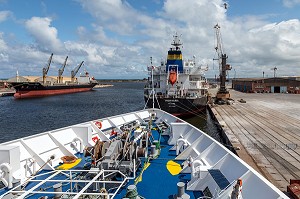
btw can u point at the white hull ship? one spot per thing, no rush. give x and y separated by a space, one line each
142 154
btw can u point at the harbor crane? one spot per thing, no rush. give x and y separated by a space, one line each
75 71
223 93
46 69
61 71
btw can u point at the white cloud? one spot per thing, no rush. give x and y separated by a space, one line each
120 39
117 15
44 34
195 12
3 45
96 35
248 44
261 48
290 3
4 15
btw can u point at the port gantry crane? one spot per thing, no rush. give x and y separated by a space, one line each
61 71
223 93
46 69
75 71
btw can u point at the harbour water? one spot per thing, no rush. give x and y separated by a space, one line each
20 118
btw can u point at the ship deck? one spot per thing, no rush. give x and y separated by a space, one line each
157 181
175 155
152 181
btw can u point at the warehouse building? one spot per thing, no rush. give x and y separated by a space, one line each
267 85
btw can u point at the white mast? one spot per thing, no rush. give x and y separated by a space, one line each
17 76
152 83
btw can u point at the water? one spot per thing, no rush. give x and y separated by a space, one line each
206 124
20 118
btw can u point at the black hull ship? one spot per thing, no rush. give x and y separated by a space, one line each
46 87
36 89
181 107
176 86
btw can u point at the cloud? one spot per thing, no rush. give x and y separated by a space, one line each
3 45
4 15
193 12
290 3
44 34
96 35
117 15
263 47
119 39
251 42
282 39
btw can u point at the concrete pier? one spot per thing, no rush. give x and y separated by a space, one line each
265 131
6 92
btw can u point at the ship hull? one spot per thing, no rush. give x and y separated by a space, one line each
34 90
181 107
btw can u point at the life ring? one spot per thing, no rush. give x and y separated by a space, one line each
113 133
98 124
68 159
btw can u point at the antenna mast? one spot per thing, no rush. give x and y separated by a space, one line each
152 82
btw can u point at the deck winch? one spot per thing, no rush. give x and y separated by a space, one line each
122 152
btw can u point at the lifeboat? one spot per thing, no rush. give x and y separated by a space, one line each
172 77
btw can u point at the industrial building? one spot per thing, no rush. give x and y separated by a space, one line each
267 85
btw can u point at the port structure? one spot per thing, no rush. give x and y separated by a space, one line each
222 94
61 71
46 68
75 71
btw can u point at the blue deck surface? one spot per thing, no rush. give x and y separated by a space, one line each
157 181
49 185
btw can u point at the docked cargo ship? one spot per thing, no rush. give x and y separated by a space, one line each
177 86
44 88
37 89
143 154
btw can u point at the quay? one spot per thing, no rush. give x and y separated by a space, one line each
103 85
264 131
6 92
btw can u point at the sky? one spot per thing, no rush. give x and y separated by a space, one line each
116 38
